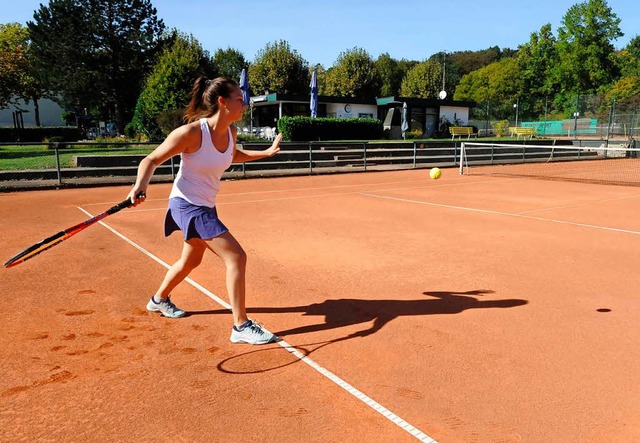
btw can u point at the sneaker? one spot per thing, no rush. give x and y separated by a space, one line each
251 333
166 308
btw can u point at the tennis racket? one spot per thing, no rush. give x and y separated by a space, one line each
61 236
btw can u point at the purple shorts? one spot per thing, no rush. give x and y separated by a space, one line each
194 221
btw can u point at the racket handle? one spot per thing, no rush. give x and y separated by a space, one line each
124 204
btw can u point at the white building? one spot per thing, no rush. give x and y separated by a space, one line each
50 114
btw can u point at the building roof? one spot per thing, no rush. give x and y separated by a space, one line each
423 102
275 97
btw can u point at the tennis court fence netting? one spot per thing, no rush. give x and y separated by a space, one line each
605 164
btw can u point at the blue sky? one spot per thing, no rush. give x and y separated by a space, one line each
320 30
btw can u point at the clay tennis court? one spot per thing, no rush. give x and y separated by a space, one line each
459 310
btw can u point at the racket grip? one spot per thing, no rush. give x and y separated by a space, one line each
124 204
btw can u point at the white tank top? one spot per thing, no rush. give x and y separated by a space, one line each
198 179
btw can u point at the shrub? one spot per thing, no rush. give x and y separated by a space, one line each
246 138
68 133
56 141
311 129
414 134
501 127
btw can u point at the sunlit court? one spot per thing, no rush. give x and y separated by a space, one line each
469 308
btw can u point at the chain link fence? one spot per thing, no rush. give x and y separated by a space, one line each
574 115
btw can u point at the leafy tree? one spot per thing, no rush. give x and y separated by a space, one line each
168 87
629 58
96 53
459 63
354 74
19 76
499 83
423 81
634 47
625 90
585 48
229 63
391 75
278 68
536 60
321 77
406 65
12 61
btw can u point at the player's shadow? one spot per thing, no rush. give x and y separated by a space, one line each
342 312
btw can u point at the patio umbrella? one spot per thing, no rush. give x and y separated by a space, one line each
405 121
244 86
314 94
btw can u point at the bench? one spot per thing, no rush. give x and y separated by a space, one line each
521 131
459 131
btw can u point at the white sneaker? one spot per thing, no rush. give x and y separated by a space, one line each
252 333
166 308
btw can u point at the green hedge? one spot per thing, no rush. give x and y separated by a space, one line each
63 133
313 129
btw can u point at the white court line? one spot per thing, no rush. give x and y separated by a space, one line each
509 214
426 183
298 197
417 433
574 205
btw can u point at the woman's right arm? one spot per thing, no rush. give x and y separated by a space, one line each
183 139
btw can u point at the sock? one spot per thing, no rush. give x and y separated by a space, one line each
242 326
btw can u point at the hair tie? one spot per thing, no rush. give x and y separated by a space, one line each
207 81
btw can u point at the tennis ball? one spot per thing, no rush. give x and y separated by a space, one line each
435 173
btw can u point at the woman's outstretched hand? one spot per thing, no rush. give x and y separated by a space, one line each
275 146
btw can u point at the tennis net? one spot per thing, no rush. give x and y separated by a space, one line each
611 165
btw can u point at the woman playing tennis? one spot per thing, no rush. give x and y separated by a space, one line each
207 144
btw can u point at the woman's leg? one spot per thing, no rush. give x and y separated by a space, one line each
235 259
192 252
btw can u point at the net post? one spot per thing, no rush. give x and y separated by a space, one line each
462 157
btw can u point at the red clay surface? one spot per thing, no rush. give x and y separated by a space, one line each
472 308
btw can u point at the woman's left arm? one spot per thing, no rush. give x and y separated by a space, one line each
241 156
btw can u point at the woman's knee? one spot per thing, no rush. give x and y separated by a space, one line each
236 258
239 258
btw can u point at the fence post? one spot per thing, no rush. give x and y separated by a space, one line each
173 176
310 158
415 154
364 147
55 146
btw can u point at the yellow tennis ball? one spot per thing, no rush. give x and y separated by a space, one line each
435 173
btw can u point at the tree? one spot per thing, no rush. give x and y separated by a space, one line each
278 68
628 59
499 84
460 63
12 62
229 63
354 74
166 91
423 81
96 53
536 60
19 75
391 75
585 49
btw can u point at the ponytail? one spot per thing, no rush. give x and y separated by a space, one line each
204 97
